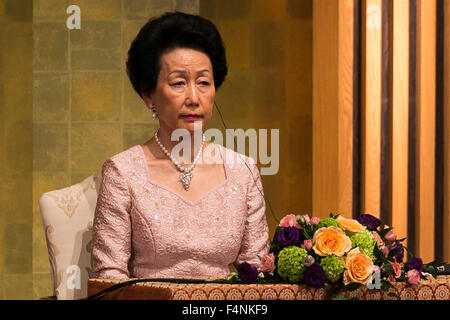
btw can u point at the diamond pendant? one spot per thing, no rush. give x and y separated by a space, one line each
185 178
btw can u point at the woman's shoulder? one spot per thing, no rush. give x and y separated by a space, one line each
241 165
124 159
232 157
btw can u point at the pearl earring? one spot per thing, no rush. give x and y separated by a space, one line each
154 114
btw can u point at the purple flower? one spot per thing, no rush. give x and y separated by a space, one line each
399 256
247 273
369 221
315 276
288 236
414 264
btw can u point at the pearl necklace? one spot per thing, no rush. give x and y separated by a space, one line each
185 172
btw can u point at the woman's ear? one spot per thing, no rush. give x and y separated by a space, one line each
148 100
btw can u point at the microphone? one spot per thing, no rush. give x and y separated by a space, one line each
101 294
104 292
443 270
254 180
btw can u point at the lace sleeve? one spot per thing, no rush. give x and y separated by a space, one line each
256 235
111 238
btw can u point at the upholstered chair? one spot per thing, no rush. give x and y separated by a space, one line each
67 216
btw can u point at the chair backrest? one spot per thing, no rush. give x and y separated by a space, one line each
67 216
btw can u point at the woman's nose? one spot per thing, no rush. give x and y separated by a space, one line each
192 95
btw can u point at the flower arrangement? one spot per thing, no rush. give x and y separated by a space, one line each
336 253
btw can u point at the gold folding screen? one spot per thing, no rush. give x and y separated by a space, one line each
381 140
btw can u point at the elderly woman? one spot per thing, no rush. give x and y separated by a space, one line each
162 216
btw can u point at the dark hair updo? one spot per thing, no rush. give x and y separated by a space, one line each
170 31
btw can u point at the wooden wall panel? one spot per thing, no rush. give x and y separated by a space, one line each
325 107
400 104
446 213
401 139
333 44
345 108
372 107
426 98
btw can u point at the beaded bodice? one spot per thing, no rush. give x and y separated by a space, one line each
144 229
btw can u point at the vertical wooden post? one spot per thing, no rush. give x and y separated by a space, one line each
446 214
332 107
325 106
345 107
426 108
400 104
372 107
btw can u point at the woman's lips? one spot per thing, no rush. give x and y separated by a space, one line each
191 117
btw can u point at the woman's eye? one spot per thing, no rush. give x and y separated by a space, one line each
177 84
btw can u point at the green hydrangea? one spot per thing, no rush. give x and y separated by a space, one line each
328 222
333 267
365 241
290 266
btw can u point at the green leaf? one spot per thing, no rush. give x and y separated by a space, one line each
409 252
310 230
385 285
388 267
436 263
383 232
233 278
430 269
402 278
305 234
394 252
378 254
335 290
275 248
353 286
269 279
277 231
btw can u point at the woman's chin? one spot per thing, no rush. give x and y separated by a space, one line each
191 126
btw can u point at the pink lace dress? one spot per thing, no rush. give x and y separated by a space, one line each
143 229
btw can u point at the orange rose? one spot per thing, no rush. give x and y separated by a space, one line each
359 267
350 224
331 240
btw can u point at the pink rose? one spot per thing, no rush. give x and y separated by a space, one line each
315 220
307 244
413 276
268 263
384 250
307 219
378 238
391 236
289 221
397 271
381 244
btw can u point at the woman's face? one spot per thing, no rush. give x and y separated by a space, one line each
184 91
